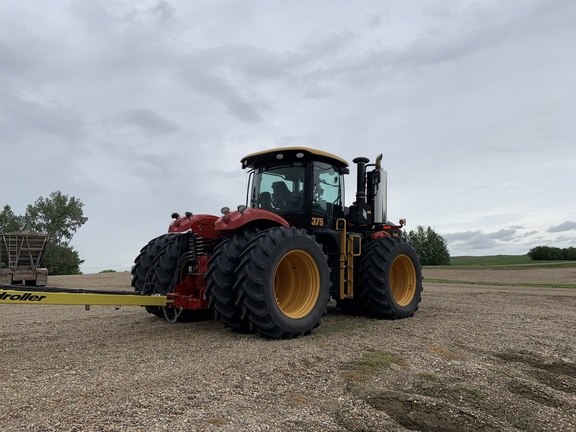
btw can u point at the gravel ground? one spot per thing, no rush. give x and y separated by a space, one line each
473 358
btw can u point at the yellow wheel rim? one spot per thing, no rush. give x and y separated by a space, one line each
296 284
403 280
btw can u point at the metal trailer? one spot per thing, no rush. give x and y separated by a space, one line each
23 281
20 258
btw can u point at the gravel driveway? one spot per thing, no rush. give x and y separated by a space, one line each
473 358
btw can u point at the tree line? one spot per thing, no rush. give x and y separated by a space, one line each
59 217
544 253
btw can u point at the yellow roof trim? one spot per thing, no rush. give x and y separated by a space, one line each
312 151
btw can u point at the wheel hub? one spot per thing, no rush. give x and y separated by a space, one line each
403 280
296 284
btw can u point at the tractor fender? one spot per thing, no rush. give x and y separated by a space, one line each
387 231
255 217
201 224
379 234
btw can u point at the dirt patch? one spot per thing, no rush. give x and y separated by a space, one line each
416 412
472 358
504 275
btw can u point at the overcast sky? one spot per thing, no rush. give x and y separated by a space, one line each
143 108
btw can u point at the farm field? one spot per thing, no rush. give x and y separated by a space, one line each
491 349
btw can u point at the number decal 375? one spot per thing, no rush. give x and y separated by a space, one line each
317 221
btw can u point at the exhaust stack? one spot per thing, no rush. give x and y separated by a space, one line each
380 184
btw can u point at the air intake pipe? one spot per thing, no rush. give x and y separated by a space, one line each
360 212
361 179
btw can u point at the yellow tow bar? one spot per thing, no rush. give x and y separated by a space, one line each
10 294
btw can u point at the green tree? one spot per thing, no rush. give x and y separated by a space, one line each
570 253
61 260
59 217
545 253
9 222
429 245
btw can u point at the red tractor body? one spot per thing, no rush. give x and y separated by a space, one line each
273 264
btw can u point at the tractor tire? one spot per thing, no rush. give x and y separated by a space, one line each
144 261
167 271
142 265
283 281
390 279
222 298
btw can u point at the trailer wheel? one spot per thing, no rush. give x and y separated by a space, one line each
143 264
390 279
284 280
222 298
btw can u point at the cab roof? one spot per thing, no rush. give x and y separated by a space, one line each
290 154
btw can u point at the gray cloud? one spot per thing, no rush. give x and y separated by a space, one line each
471 240
15 61
564 226
20 117
567 240
147 120
480 240
484 31
164 10
235 100
503 235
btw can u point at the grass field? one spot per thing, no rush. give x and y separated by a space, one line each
504 271
505 260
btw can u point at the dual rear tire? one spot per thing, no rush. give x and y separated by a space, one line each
144 263
220 280
279 287
161 265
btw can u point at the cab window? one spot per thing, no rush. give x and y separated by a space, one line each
327 193
279 188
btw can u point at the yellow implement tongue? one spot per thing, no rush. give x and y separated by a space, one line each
10 294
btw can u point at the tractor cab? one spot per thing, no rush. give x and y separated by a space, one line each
304 186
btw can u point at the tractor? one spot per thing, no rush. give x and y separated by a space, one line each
274 263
